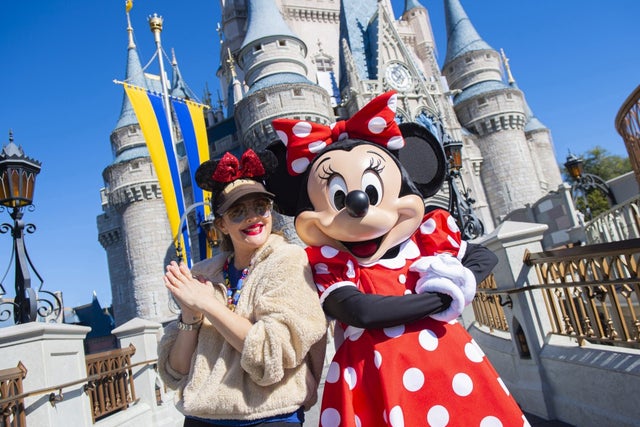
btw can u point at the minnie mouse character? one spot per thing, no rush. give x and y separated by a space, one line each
393 277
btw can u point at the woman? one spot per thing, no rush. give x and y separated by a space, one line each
248 347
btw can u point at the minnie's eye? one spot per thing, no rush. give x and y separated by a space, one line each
372 185
337 192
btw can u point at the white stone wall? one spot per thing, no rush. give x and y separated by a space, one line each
134 230
507 175
255 112
541 146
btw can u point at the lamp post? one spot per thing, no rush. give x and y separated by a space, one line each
206 225
585 182
460 203
17 182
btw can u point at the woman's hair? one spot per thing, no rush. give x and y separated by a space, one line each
226 244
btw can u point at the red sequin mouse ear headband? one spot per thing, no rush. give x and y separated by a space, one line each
375 122
213 175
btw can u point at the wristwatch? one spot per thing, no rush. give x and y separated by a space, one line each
182 326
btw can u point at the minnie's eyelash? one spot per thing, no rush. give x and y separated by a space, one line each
327 172
375 165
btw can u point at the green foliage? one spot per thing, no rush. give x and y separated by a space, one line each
598 161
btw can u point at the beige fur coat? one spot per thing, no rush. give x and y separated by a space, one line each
281 363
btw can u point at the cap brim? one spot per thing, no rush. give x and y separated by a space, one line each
240 192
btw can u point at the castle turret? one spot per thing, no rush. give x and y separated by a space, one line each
417 17
273 60
492 111
540 141
133 228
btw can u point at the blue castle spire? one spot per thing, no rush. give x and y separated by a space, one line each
462 36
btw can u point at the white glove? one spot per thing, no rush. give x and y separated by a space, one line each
445 274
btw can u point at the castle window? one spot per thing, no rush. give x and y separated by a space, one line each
468 60
324 63
482 101
297 91
262 99
521 341
282 43
509 96
257 48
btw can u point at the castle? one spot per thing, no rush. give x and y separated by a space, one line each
322 60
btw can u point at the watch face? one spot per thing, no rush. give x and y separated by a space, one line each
398 77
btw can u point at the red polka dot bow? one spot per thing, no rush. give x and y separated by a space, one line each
229 168
375 122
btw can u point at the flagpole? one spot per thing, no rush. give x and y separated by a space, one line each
155 22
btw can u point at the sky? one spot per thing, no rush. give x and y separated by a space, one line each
576 61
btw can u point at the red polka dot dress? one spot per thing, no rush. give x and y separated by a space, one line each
425 373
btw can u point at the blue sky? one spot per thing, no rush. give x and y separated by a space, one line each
575 60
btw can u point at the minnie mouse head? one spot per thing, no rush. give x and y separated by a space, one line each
362 181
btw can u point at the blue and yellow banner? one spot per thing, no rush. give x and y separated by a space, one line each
194 134
152 118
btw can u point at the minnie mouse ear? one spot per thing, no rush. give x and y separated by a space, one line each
287 188
204 175
423 158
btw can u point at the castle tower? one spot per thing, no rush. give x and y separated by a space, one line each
540 141
275 73
493 112
133 228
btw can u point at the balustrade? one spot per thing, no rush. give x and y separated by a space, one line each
591 293
622 222
110 386
11 403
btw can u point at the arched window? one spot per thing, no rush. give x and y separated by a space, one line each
521 340
326 77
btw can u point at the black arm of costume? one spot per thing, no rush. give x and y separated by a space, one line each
479 260
348 305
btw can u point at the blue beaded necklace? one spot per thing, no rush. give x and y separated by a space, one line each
233 293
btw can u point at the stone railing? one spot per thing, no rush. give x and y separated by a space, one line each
622 222
65 387
590 293
559 317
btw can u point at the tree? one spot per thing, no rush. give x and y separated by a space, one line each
599 162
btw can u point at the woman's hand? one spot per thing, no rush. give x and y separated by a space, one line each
190 292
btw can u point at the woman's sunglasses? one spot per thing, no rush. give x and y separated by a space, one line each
240 212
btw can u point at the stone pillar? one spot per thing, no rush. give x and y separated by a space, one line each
509 242
143 334
53 355
523 375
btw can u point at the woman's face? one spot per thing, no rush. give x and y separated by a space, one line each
248 222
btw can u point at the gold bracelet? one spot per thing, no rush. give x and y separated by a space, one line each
182 326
